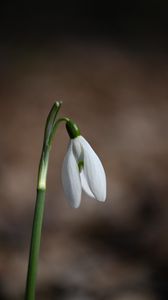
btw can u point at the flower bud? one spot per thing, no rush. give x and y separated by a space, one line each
72 129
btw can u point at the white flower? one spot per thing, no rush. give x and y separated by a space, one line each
82 169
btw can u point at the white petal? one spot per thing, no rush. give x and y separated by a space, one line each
77 149
85 186
94 171
71 179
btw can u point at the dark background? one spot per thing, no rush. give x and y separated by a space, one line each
126 22
109 66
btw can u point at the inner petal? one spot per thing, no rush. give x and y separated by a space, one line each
85 185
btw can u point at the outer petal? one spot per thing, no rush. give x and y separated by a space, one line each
71 179
94 171
85 186
77 149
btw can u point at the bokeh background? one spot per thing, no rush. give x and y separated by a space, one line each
109 66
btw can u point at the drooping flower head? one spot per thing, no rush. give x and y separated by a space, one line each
82 169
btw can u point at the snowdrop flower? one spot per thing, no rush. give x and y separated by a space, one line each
82 169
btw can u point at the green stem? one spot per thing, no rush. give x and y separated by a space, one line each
37 225
51 126
35 245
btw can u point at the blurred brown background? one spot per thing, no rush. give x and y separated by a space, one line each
109 66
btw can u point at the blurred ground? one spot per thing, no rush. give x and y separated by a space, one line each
117 250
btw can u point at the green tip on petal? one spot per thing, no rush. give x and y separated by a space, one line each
80 165
72 129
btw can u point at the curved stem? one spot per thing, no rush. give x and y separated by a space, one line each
55 127
50 129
